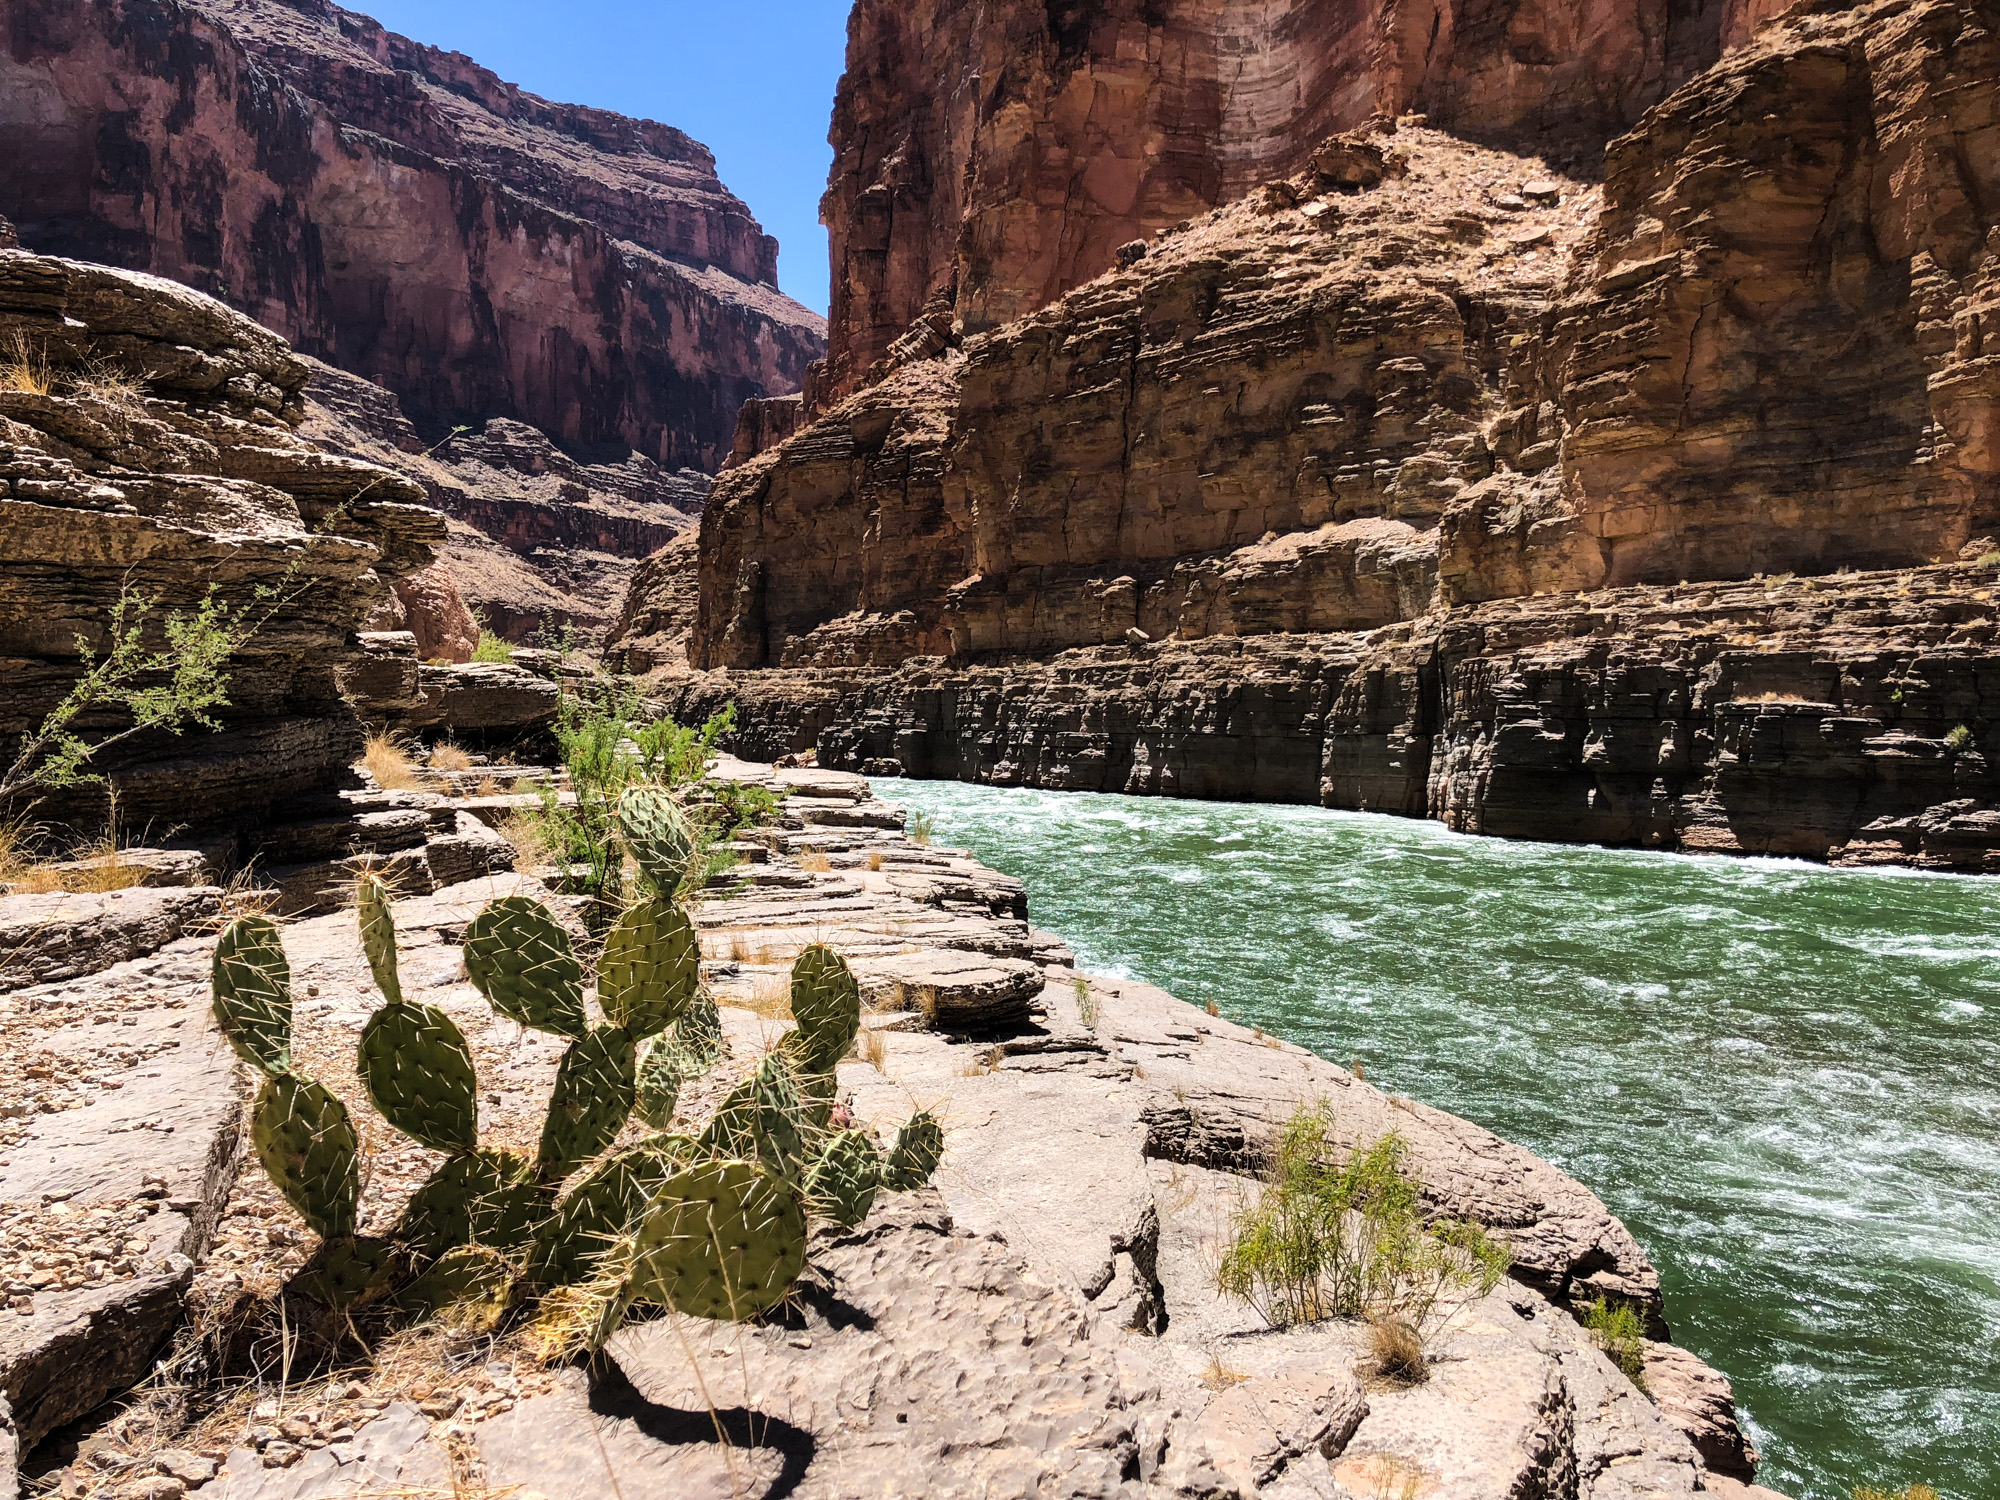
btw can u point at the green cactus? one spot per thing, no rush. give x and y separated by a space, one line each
719 1240
418 1070
918 1150
826 1005
605 1204
519 956
762 1119
841 1185
472 1283
252 988
663 1068
482 1197
660 836
348 1272
650 970
304 1138
700 1030
378 934
592 1101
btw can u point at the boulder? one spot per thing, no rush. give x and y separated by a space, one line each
45 939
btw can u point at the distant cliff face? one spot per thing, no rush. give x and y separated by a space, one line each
402 214
990 157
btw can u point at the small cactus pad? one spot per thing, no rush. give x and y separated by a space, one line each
651 968
253 993
720 1240
918 1150
665 1066
661 838
347 1272
591 1102
519 956
600 1208
419 1073
305 1140
826 1004
472 1285
483 1197
840 1187
378 934
700 1030
762 1119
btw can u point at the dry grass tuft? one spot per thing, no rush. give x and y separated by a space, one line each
870 1048
388 760
875 860
1398 1351
986 1062
1219 1377
771 996
97 865
530 838
814 862
447 756
1212 1008
25 369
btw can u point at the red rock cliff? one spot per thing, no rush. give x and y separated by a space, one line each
403 214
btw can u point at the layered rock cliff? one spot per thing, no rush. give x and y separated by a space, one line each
1320 495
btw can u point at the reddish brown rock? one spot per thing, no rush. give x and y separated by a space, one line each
403 214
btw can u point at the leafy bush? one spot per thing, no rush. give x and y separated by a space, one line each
492 648
1617 1329
1960 738
1351 1240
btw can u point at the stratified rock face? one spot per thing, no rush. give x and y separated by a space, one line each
403 214
160 457
991 157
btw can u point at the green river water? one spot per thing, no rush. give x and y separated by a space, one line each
1786 1080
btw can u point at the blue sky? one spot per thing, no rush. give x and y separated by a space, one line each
754 82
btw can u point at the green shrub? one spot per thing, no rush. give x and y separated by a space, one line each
492 649
1960 738
922 829
1617 1329
1351 1239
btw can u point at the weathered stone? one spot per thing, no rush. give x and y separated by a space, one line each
45 939
1699 1401
390 1455
956 992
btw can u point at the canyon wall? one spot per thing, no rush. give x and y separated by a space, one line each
993 156
401 213
1381 445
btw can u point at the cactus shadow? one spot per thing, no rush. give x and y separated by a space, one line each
613 1395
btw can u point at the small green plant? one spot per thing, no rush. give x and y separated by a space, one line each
492 648
1960 739
1086 1003
1617 1329
1351 1240
922 829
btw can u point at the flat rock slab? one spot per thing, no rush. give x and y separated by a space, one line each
47 939
391 1456
140 1163
956 991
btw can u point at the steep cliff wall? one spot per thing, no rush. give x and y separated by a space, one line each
991 157
402 214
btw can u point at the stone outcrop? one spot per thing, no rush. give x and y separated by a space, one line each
1439 480
403 214
155 453
990 158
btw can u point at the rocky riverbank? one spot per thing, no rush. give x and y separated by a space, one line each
1042 1320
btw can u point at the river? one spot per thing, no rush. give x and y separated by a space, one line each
1784 1079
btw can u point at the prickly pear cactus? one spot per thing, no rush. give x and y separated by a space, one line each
663 1068
378 934
722 1239
826 1005
592 1101
483 1197
918 1150
699 1030
763 1119
841 1185
660 836
650 970
418 1071
304 1138
519 956
348 1273
473 1285
604 1205
252 989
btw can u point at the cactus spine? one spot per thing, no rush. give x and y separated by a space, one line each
662 840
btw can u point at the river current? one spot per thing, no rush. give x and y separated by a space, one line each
1784 1079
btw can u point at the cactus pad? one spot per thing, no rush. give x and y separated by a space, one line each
661 838
305 1140
473 1285
918 1150
348 1272
665 1066
253 993
651 968
700 1030
419 1073
720 1240
840 1187
591 1102
519 956
600 1208
483 1197
826 1004
378 934
762 1119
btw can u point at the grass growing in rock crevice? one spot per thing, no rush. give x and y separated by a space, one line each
1619 1330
